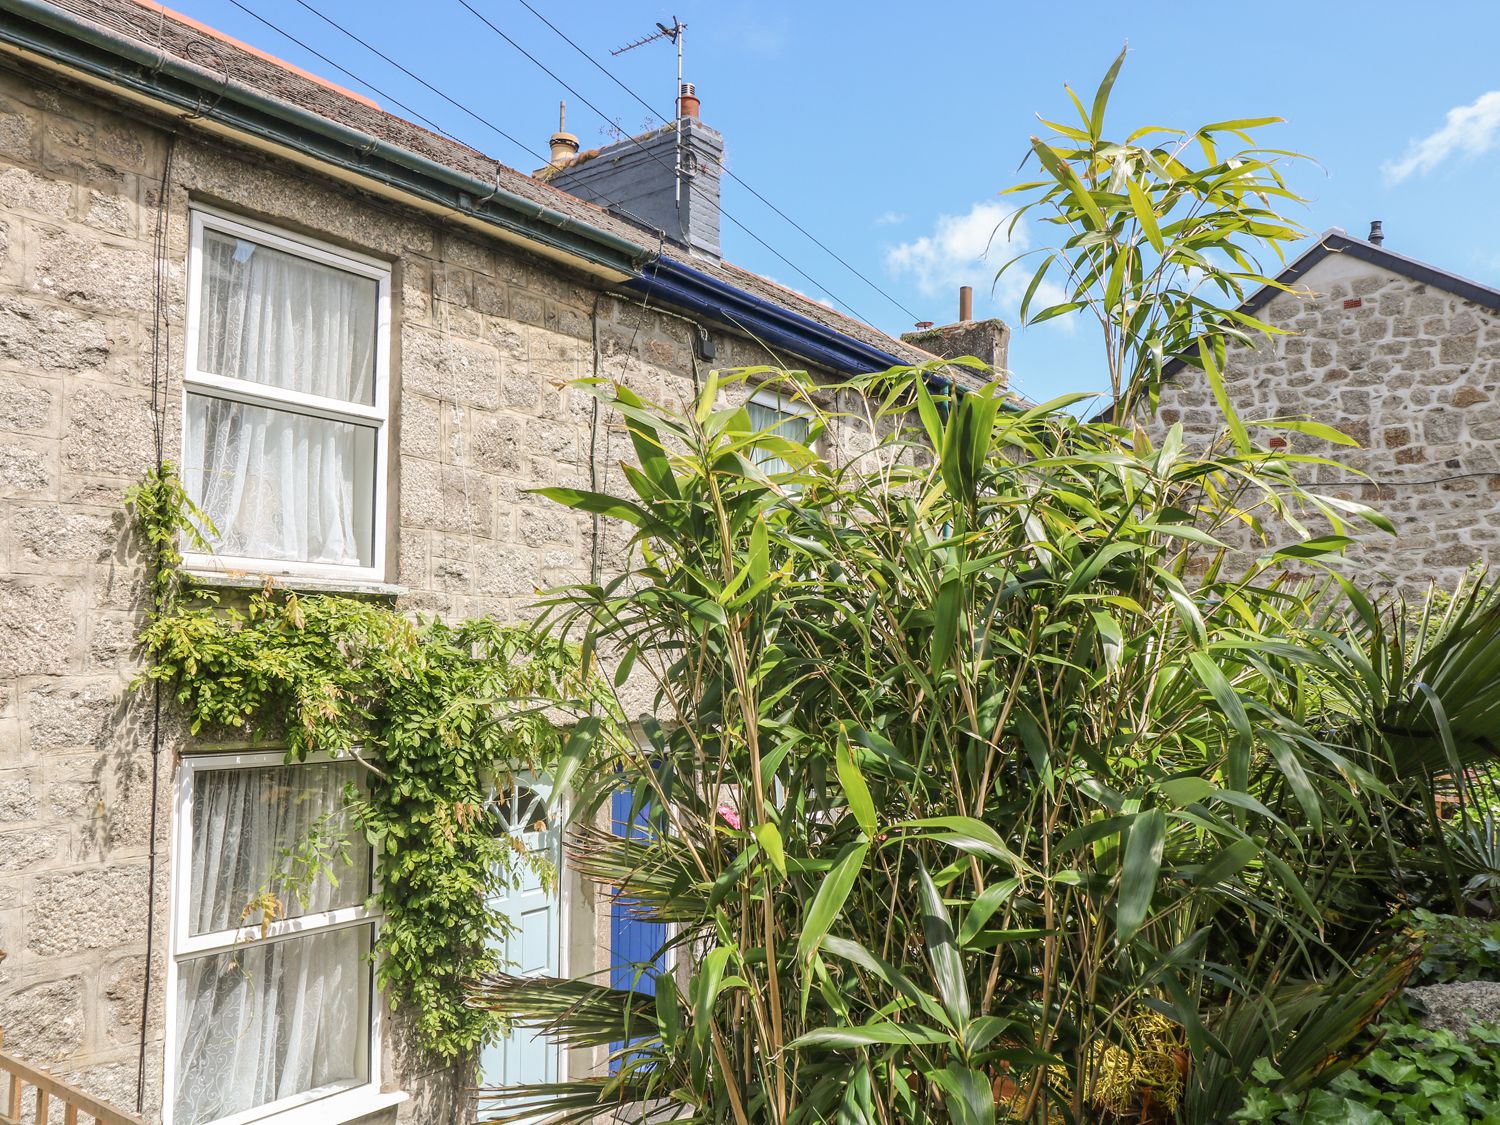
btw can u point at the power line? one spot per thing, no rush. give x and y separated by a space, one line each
345 71
497 129
547 161
486 122
602 69
490 124
371 86
635 141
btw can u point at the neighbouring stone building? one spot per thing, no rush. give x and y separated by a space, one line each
1404 358
355 337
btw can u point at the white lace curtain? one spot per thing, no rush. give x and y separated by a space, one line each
268 1019
276 484
792 427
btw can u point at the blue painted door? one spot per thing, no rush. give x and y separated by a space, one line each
635 943
534 945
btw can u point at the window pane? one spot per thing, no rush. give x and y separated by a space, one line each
279 485
793 426
281 320
249 825
260 1023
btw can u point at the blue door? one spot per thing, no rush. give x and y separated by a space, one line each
533 947
635 943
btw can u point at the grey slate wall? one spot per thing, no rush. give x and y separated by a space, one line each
637 179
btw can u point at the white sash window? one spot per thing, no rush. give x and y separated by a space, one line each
284 442
782 416
271 989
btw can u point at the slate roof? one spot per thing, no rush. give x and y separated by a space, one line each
167 31
1335 241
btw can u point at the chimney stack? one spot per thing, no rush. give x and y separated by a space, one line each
564 144
987 340
638 177
1377 232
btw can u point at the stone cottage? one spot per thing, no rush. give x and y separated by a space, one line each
1402 356
355 337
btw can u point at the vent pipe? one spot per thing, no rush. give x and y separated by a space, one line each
1377 232
965 303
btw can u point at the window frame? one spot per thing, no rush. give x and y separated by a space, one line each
375 416
782 403
321 1104
788 407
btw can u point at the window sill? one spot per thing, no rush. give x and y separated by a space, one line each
244 580
336 1109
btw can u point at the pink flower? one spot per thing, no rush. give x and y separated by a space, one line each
729 816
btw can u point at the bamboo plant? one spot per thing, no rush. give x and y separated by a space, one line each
1012 770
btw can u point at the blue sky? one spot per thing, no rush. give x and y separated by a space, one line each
888 129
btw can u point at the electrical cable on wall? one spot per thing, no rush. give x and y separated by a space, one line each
161 342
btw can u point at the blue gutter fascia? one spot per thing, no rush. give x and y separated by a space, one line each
776 327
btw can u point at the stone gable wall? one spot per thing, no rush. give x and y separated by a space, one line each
1410 372
485 339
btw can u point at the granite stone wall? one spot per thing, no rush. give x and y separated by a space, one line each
485 340
1409 371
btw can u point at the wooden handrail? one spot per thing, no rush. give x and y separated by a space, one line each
48 1089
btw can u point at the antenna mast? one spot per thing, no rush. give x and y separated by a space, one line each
674 33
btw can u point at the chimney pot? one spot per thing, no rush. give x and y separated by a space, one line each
965 302
1377 232
564 144
687 101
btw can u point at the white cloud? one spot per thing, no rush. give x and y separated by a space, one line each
1468 129
969 249
889 218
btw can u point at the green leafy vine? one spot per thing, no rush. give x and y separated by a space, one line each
442 715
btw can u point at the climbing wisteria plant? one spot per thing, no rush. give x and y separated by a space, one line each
442 715
985 779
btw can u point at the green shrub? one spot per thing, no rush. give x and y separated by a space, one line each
1413 1075
1455 949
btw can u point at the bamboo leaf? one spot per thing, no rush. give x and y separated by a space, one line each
769 838
1139 867
871 1035
831 896
942 950
856 790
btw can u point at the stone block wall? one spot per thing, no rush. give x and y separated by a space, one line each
1409 371
485 340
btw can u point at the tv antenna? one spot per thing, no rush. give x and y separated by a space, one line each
674 33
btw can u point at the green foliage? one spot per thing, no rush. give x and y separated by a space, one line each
165 517
970 754
1454 949
442 715
1011 759
1413 1075
1159 236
